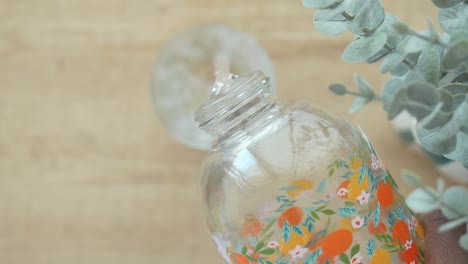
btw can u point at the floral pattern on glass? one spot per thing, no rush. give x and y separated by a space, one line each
359 217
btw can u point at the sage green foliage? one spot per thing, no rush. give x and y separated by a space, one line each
451 201
429 70
429 81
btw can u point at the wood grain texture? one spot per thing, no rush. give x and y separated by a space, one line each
87 173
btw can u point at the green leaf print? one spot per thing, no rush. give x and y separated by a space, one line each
362 173
244 250
297 230
377 215
269 225
286 231
371 247
259 246
268 251
312 258
355 249
344 258
328 212
347 211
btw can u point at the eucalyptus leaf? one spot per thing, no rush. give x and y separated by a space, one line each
452 224
454 19
378 56
446 3
422 97
458 91
435 143
461 78
429 65
368 19
459 35
359 103
414 75
435 119
395 58
364 47
329 23
456 54
401 28
461 151
393 38
397 105
423 200
364 86
391 61
411 178
441 113
463 241
353 8
391 88
338 89
455 198
450 76
318 4
443 140
416 44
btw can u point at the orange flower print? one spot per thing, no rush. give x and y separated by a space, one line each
400 233
336 243
385 194
410 254
252 226
239 259
293 215
379 229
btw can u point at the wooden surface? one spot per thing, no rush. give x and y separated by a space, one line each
87 172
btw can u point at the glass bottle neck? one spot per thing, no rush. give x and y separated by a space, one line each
239 107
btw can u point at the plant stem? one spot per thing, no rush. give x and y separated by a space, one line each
435 41
374 97
437 199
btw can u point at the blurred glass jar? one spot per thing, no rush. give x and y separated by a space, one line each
184 73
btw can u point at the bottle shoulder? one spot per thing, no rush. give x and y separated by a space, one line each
299 142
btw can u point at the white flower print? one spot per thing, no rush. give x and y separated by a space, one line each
375 165
298 252
411 222
363 197
273 244
356 258
408 244
413 262
357 222
342 192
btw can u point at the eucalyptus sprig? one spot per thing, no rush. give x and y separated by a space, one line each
429 70
451 201
429 81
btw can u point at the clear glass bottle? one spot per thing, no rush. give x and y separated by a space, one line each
289 184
